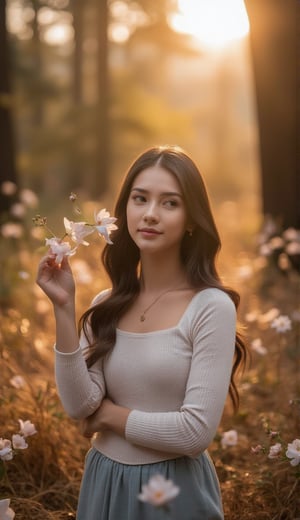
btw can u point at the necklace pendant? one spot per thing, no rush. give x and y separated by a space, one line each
142 317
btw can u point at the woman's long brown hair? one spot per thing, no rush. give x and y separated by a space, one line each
121 260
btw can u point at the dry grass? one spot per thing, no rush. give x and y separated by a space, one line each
43 481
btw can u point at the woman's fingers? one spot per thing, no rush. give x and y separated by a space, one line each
84 429
56 280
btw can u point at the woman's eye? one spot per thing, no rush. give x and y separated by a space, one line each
171 203
139 199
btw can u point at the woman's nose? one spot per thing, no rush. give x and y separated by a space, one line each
151 213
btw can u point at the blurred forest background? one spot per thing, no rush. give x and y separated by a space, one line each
94 83
84 87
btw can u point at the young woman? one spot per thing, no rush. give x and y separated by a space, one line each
158 351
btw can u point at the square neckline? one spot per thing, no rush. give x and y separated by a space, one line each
168 329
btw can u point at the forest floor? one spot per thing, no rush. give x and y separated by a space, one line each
42 481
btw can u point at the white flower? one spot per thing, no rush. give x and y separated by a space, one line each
8 188
258 347
269 315
11 230
78 230
72 196
59 248
245 272
291 234
229 438
29 198
5 450
19 442
105 224
23 275
293 248
158 491
17 381
282 324
6 513
293 452
251 317
275 450
27 428
18 210
265 250
276 243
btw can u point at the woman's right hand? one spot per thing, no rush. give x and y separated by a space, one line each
56 280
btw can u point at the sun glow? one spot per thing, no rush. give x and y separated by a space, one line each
214 23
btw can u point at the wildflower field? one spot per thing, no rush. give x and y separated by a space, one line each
256 451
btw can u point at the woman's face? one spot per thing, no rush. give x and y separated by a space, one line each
156 213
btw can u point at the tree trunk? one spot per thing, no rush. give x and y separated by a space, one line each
275 42
103 131
7 146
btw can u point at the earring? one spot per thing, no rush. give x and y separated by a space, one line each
190 232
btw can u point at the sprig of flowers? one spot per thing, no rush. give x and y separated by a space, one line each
8 448
18 441
76 232
281 247
279 450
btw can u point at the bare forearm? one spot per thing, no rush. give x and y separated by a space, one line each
116 420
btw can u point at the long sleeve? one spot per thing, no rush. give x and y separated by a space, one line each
190 430
80 389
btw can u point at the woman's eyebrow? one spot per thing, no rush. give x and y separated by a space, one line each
163 194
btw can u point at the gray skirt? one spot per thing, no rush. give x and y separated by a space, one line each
109 489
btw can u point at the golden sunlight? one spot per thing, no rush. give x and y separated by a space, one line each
214 23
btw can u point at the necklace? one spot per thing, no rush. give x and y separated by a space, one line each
143 315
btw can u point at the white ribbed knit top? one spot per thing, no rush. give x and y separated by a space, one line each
175 381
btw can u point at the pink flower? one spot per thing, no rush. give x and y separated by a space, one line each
19 442
27 428
8 188
18 210
158 491
293 452
291 234
59 248
105 224
29 198
275 450
11 230
78 230
5 449
229 438
276 243
17 381
258 347
6 513
273 433
293 248
257 449
268 316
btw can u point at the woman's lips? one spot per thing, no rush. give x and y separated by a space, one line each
149 232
